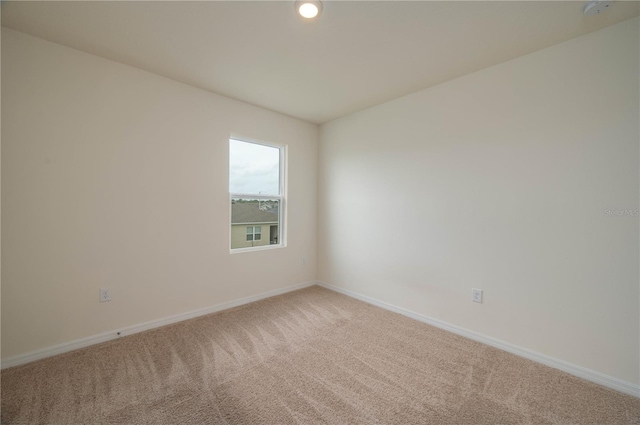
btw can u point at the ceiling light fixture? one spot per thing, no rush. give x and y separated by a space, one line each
308 9
596 7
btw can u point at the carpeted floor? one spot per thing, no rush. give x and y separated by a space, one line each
308 357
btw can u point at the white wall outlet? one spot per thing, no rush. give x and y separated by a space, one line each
105 294
304 260
476 295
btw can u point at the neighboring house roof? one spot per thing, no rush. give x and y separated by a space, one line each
249 212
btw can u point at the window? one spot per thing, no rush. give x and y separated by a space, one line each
256 188
254 233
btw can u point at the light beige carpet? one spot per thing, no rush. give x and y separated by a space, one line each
307 357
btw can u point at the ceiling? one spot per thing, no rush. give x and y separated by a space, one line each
355 55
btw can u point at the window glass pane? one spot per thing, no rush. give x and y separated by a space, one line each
253 168
248 219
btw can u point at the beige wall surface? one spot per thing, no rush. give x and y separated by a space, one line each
521 180
115 177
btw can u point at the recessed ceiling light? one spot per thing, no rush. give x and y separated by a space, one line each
308 9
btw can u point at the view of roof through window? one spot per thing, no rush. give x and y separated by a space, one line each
255 190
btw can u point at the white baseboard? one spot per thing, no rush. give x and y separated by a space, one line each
129 330
579 371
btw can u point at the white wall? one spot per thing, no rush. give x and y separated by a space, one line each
500 180
116 177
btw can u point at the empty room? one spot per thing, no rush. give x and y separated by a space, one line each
320 212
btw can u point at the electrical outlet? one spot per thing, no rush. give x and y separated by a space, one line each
476 295
105 295
304 260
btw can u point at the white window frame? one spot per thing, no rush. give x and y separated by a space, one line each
282 231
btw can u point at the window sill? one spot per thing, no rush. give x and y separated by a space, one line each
256 248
